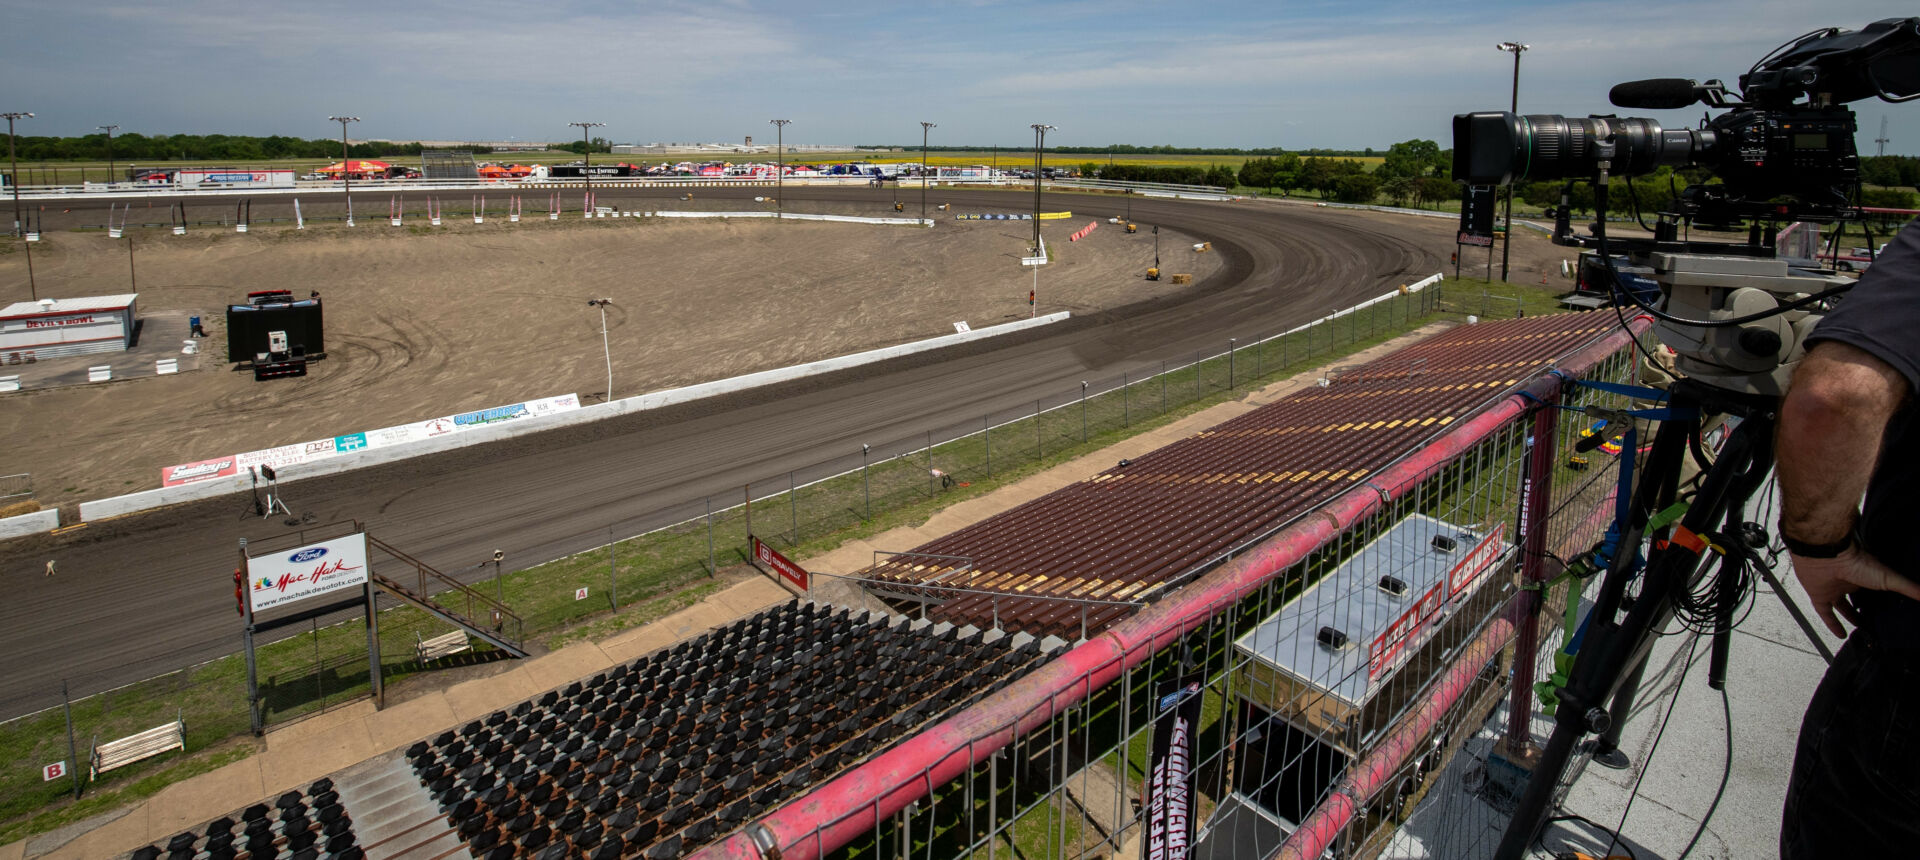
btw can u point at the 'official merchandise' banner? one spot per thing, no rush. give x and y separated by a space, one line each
1170 777
320 568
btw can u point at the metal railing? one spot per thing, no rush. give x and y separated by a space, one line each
1049 766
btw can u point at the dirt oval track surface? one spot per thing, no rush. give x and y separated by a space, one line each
148 593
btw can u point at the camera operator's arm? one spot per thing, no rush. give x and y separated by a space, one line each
1830 430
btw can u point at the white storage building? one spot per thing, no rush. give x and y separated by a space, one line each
50 328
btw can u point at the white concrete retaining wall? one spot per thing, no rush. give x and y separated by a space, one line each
127 504
30 524
794 216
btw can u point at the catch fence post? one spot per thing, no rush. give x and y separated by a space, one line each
793 508
1230 343
713 563
1126 404
613 581
986 426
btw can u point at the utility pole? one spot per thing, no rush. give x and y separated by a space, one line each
109 129
924 127
345 174
1506 245
13 169
780 172
586 146
33 291
1039 145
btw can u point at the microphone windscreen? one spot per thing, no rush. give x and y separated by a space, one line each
1654 94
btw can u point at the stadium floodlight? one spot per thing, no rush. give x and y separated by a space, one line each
586 147
345 174
1506 245
604 343
1039 145
109 129
924 127
780 172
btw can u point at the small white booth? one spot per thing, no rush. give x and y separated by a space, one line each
51 328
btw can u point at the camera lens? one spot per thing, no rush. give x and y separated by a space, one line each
1496 148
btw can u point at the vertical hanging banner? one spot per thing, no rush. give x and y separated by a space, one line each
1170 776
785 570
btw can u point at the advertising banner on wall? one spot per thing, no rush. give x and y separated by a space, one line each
203 470
286 576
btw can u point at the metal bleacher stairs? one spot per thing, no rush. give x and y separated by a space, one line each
448 164
431 592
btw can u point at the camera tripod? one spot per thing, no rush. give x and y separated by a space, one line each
1607 670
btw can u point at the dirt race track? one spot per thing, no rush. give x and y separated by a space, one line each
423 322
493 314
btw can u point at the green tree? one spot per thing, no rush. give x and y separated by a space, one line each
1220 175
1317 174
1409 159
1355 188
1286 172
1257 173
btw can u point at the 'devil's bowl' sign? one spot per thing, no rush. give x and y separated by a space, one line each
289 575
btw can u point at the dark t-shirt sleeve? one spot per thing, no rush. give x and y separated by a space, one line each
1882 314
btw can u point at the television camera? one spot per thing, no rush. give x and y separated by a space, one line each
1734 312
1783 151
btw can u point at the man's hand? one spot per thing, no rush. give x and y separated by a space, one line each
1830 581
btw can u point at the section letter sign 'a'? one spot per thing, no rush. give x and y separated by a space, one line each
286 576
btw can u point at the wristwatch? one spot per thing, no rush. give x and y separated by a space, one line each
1818 550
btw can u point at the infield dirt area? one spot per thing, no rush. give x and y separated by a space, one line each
429 321
423 321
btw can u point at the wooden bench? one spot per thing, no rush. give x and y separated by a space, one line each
441 646
127 750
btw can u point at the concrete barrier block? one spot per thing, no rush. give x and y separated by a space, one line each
102 373
29 524
166 365
10 383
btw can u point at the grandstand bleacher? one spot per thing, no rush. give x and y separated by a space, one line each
652 758
448 164
1133 531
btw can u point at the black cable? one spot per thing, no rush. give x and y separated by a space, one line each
1647 765
1726 773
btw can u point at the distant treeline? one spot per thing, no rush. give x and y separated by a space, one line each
1130 149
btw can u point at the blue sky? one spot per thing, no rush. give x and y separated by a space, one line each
1248 74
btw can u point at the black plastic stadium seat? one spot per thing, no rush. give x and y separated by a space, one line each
665 849
614 848
340 842
146 852
554 851
181 842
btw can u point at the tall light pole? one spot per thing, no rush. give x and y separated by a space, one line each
924 128
109 129
1506 245
586 147
780 171
13 168
1039 145
346 174
604 343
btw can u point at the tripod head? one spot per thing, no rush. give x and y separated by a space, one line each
1737 323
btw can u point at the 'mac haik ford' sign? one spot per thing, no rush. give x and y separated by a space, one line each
320 568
